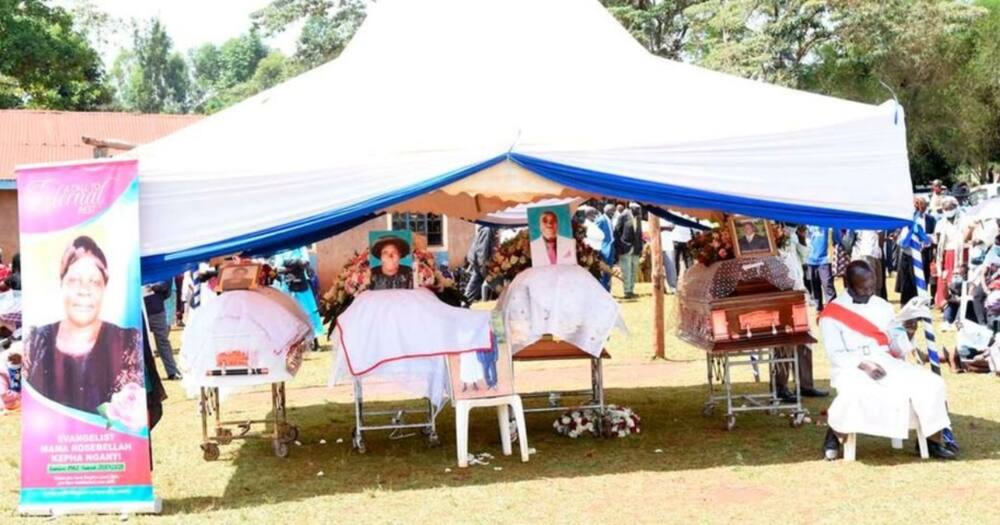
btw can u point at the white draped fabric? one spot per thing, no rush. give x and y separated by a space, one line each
252 320
400 338
564 301
879 408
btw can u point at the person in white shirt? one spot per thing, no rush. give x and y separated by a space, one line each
950 247
594 236
867 247
876 388
669 253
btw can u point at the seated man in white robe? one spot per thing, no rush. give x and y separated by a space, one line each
876 387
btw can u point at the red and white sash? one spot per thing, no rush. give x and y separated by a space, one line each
856 323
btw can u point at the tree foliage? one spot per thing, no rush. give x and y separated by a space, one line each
152 77
328 26
45 62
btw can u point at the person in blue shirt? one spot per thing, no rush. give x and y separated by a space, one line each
603 222
818 262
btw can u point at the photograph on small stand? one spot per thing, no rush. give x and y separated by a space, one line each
751 236
238 277
551 232
390 256
487 372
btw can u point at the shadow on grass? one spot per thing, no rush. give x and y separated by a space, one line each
672 423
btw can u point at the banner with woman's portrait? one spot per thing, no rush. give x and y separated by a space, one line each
85 436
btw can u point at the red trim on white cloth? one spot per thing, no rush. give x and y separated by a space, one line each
350 368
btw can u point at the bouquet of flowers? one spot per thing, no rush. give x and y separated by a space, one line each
616 422
514 256
711 246
356 276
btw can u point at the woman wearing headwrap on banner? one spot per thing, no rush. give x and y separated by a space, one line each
81 361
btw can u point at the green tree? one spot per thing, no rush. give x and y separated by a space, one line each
917 51
217 69
328 26
660 25
151 77
45 62
771 40
271 71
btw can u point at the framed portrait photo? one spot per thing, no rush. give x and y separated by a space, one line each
550 229
390 256
238 277
751 236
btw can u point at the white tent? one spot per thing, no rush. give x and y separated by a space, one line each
467 107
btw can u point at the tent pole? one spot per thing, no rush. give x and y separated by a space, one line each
656 263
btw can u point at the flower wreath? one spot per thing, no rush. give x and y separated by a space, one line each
616 422
356 277
712 246
514 256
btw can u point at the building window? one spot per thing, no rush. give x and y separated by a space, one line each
427 224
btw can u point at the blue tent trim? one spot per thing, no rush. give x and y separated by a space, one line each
305 231
676 219
626 188
299 233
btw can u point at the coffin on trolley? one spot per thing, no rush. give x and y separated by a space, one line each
244 338
744 312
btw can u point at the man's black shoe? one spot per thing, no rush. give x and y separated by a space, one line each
813 392
786 395
937 450
831 445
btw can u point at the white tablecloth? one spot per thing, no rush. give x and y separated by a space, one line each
400 337
565 301
261 322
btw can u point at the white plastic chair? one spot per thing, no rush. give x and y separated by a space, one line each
503 404
505 401
851 444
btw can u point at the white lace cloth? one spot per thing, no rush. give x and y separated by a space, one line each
261 322
564 301
398 339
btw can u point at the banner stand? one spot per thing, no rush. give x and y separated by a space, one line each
64 509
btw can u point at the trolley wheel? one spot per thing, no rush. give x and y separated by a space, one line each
730 422
357 441
223 435
290 433
280 448
708 409
210 451
797 419
433 440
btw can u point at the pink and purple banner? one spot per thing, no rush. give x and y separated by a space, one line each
85 436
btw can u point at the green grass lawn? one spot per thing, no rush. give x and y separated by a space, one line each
682 467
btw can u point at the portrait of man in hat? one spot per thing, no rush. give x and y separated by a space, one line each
391 264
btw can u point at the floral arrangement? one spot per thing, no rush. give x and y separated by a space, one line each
711 246
356 276
716 245
514 256
616 422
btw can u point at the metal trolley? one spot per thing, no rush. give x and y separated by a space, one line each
548 349
719 365
280 432
396 423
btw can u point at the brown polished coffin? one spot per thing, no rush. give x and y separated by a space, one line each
742 304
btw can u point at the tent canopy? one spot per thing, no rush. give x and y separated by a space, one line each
467 107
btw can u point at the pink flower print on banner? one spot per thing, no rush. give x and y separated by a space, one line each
127 406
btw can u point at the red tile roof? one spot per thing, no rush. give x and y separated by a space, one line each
28 136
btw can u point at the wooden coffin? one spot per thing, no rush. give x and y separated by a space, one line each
738 309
